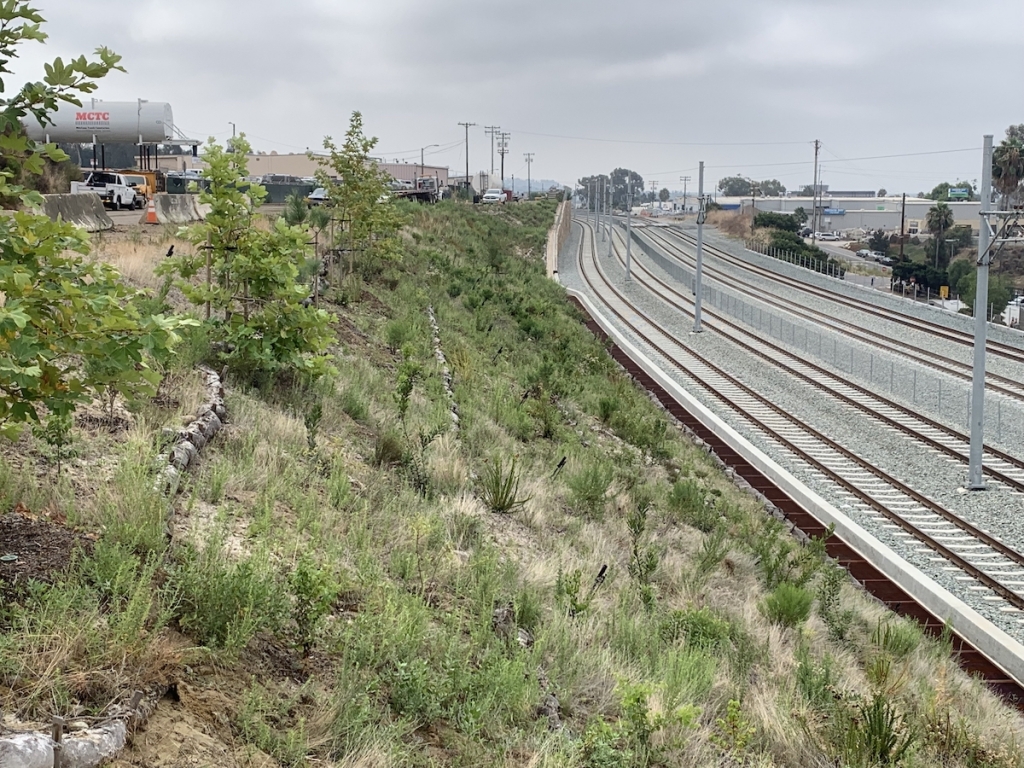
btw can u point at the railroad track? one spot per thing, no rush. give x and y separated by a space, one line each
984 563
1003 385
998 465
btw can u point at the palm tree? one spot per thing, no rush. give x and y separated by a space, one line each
940 218
1008 167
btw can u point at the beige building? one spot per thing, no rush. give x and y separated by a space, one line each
302 165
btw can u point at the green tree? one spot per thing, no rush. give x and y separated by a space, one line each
592 189
941 191
772 188
256 307
958 270
1008 164
1000 291
773 220
939 219
625 182
734 186
69 329
357 189
807 190
664 195
882 192
879 241
296 211
800 215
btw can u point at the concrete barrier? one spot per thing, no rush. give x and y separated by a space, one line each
83 210
176 209
557 236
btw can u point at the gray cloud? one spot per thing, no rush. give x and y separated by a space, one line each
867 78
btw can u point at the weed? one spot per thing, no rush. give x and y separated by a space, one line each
700 628
713 550
816 682
606 408
691 506
606 745
499 487
223 603
388 448
898 639
56 432
837 619
872 733
339 486
408 372
788 605
312 417
589 488
353 404
313 590
643 558
733 732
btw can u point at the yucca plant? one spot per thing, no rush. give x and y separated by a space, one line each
499 487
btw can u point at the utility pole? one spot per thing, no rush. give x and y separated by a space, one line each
814 198
421 161
469 187
685 180
903 219
753 205
492 130
654 194
702 207
503 150
529 162
975 478
603 213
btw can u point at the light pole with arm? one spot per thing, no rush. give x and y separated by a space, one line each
421 160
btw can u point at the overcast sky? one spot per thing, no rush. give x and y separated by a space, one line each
585 85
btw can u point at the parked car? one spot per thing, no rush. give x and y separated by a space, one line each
864 253
492 196
827 236
317 197
115 189
806 232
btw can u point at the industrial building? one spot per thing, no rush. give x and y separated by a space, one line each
850 214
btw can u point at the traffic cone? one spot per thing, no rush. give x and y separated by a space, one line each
149 217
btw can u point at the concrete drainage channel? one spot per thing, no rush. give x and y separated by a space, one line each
90 742
878 581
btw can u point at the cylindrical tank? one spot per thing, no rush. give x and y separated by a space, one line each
106 122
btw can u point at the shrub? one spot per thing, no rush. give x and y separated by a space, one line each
589 488
896 638
313 590
223 603
701 629
837 620
788 605
388 449
690 504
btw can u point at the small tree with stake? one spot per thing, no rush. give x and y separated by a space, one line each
255 305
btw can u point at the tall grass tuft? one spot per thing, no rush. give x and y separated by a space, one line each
499 487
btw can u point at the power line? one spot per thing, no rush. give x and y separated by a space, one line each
669 143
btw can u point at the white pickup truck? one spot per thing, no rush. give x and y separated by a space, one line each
115 190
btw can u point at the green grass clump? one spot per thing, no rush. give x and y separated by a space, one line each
788 605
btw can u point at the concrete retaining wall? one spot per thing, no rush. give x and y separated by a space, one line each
557 236
85 210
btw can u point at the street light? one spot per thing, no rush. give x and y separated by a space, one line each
421 158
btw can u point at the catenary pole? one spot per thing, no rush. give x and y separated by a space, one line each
529 162
629 227
701 215
814 196
975 478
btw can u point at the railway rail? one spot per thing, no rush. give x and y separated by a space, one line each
985 561
1004 385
